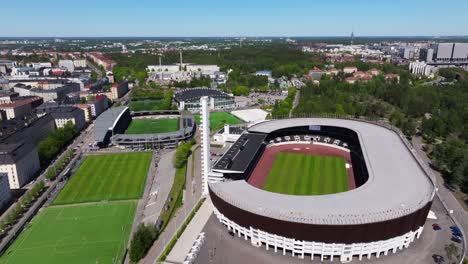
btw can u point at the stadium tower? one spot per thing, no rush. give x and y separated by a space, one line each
205 140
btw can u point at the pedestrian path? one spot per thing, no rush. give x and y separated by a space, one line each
195 227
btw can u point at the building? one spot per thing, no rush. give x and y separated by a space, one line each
392 77
351 80
58 94
189 99
19 107
20 161
444 51
86 111
350 69
422 68
316 73
79 63
119 90
101 60
62 114
5 193
98 105
354 224
67 64
41 65
111 122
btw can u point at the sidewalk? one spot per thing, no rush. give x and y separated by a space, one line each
195 227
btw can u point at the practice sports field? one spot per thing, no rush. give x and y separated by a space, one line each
218 119
151 126
74 234
301 174
107 177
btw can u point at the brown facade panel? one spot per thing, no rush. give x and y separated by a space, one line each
324 233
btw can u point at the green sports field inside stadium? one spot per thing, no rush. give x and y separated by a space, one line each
74 234
301 174
152 126
107 177
218 119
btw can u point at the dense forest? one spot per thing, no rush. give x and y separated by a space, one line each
439 113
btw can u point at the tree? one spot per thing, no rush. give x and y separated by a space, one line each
141 242
451 250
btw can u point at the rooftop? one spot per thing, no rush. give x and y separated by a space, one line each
241 153
197 93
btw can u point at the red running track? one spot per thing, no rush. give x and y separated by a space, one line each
260 172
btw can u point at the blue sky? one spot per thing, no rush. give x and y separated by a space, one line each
100 18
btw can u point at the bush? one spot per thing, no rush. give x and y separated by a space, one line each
141 242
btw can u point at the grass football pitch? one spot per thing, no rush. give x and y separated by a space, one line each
107 177
74 234
151 126
218 119
300 174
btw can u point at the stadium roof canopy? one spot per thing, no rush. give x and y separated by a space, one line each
197 93
241 153
106 122
397 184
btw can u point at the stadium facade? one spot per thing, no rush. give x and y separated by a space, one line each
385 212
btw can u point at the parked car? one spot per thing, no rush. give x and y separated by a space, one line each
436 227
456 239
458 234
455 229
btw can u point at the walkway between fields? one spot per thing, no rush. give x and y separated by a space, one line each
191 197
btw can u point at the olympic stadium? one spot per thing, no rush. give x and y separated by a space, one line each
322 188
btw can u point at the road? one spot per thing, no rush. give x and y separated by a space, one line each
445 194
192 195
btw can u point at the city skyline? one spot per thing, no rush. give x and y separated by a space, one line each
209 18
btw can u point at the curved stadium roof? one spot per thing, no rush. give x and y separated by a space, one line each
397 184
197 93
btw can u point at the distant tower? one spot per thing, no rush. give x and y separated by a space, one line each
181 65
352 36
160 67
205 140
240 42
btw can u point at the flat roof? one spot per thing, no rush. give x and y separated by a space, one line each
397 184
241 153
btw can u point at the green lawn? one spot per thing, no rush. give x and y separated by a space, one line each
300 174
151 126
218 119
148 105
75 234
107 177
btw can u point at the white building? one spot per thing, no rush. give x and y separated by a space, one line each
20 161
5 193
67 64
421 68
80 63
39 65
